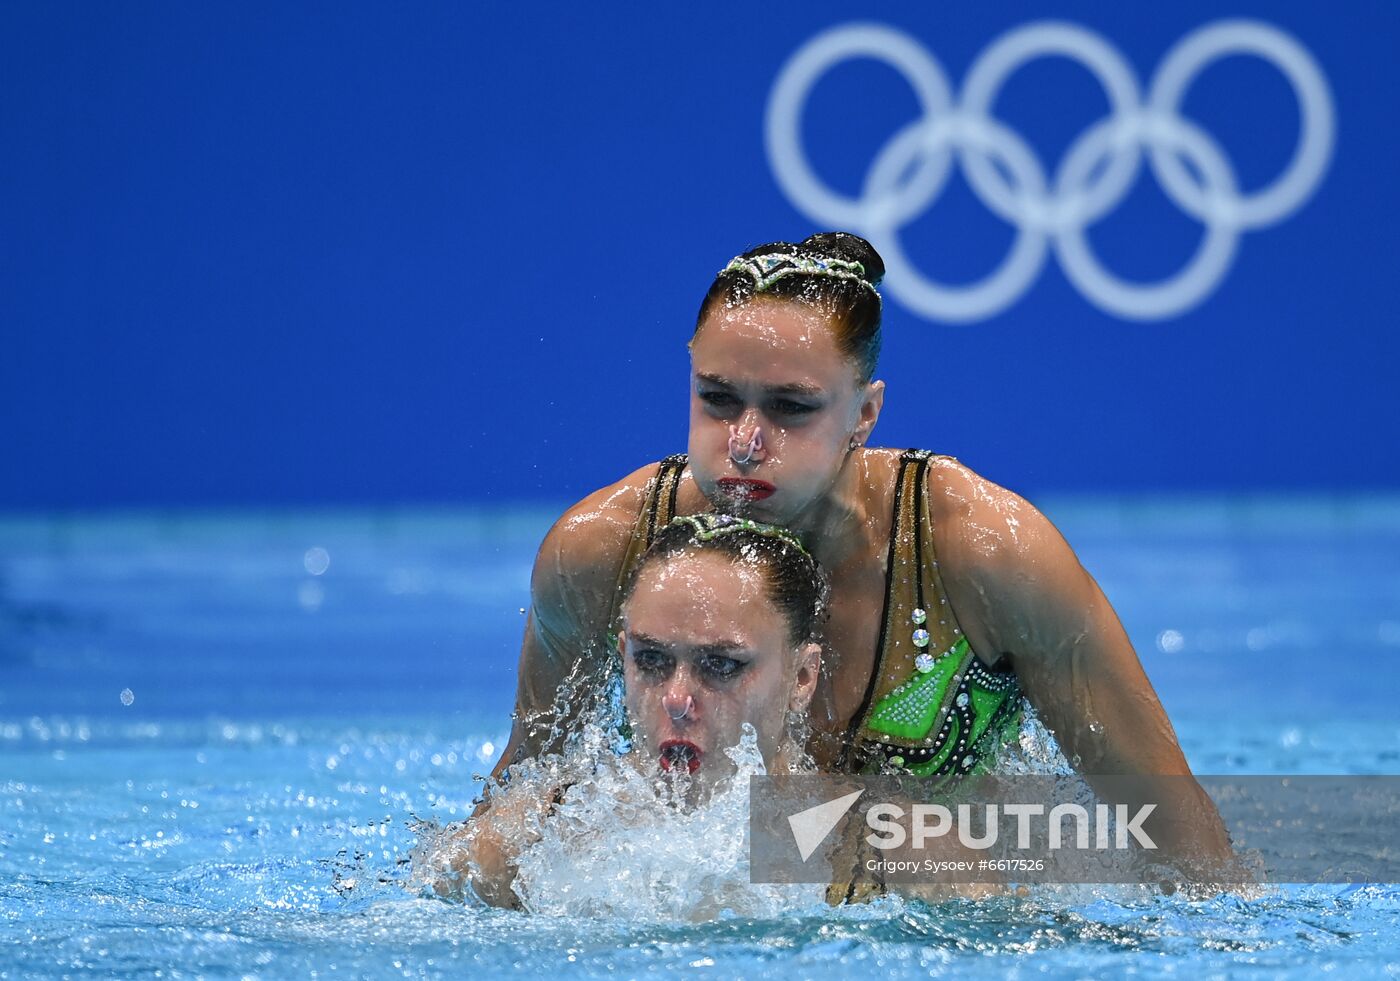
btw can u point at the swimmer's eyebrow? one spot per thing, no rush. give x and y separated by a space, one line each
722 647
795 388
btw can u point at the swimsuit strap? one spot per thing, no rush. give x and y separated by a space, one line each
932 706
906 485
658 508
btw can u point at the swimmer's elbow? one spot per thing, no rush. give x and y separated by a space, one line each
481 867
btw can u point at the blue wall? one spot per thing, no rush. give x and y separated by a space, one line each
349 253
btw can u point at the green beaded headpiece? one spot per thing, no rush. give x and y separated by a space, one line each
765 270
707 527
796 582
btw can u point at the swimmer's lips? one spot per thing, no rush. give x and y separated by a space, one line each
744 488
680 751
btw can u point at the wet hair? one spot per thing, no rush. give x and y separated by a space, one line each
853 308
797 586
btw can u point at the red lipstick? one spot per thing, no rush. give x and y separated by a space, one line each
745 488
680 752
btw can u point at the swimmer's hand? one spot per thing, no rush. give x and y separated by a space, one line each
478 857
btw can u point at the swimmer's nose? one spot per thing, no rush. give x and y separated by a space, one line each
746 441
678 705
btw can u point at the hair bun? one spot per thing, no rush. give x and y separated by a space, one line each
852 248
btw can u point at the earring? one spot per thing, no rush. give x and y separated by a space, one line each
855 443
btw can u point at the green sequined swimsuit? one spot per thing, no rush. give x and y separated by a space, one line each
932 706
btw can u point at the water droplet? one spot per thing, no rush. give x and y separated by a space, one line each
317 560
127 696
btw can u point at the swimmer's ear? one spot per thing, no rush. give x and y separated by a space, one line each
804 685
871 403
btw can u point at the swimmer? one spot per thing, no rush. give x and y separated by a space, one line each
719 628
720 619
953 599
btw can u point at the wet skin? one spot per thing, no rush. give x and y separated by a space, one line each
704 651
1016 587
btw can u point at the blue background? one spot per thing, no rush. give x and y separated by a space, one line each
261 253
336 258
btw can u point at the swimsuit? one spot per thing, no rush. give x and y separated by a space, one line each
931 706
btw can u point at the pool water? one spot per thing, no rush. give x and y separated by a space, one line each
219 731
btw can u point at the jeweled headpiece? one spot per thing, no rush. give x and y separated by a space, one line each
765 270
706 527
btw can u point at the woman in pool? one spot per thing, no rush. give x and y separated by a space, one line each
719 630
952 597
719 624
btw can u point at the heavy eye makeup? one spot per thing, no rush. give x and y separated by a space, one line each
719 402
723 403
713 667
653 662
791 409
721 667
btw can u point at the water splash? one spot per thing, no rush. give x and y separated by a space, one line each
628 845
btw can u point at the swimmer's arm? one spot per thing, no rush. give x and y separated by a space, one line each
571 593
481 855
1037 604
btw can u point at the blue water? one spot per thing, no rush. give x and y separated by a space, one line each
250 811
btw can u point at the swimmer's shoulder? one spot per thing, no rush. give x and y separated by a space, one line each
973 517
581 557
993 547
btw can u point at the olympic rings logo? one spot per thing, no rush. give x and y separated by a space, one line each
1096 173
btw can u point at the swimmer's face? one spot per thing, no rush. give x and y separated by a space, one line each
774 364
704 651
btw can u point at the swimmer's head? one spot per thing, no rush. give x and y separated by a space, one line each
720 625
786 344
844 293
